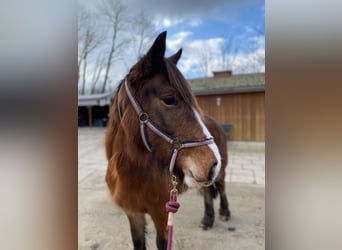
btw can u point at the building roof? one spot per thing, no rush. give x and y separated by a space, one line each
95 99
200 86
233 84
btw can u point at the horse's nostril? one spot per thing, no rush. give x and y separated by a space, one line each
214 165
212 171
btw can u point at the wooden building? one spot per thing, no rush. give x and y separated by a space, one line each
93 109
238 100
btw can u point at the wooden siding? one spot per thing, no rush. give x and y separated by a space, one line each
245 111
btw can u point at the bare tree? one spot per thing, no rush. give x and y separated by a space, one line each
219 57
113 13
98 68
143 32
82 16
90 37
206 56
257 55
256 59
228 51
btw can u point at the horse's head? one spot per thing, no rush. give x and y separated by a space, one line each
165 97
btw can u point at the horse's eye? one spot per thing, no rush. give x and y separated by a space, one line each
169 100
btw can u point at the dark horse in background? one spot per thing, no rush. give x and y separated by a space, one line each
138 174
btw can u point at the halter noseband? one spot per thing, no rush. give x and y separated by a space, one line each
145 122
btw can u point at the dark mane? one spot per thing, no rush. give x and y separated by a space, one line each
174 76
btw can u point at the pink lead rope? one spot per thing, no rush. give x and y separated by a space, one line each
172 207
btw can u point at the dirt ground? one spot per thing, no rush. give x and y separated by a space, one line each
103 226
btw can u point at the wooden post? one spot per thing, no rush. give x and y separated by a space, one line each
90 116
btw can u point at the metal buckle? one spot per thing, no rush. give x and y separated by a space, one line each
174 185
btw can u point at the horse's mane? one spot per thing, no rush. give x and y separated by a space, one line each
113 124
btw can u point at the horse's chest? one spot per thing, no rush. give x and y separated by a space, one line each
134 192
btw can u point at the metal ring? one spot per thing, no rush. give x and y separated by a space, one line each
177 144
143 117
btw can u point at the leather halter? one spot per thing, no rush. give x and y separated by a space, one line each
145 122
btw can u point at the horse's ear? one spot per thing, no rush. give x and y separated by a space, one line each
157 51
175 57
155 56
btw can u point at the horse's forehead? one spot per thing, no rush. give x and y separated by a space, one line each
157 82
160 81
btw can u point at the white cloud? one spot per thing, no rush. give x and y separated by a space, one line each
203 56
167 22
194 22
249 29
200 56
177 8
250 62
257 41
177 41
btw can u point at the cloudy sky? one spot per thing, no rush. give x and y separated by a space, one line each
214 34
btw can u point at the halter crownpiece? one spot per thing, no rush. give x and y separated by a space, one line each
145 122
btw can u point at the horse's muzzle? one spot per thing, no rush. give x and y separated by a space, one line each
212 174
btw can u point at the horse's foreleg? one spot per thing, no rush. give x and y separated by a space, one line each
209 214
224 205
137 224
160 222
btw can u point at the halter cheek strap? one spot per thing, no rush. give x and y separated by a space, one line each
145 122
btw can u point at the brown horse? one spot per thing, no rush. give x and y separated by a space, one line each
155 115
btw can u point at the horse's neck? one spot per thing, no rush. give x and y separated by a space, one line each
130 150
141 162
